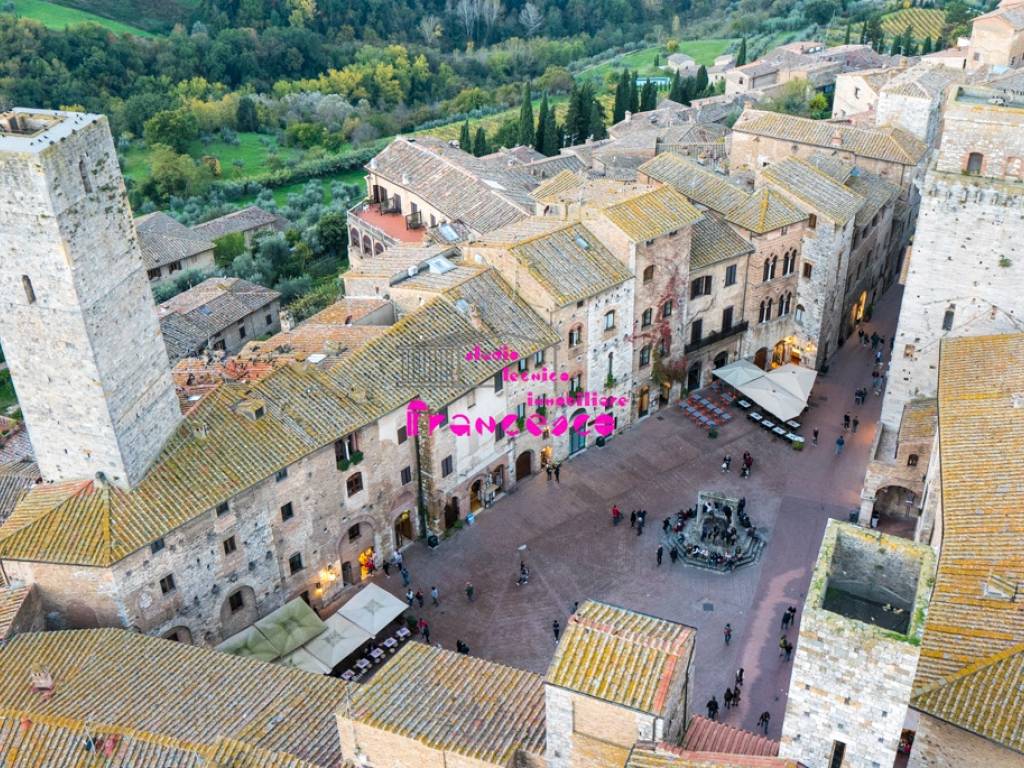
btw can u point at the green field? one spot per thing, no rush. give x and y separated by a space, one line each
702 51
925 22
353 176
7 396
58 17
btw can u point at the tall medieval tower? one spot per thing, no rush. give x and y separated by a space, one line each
77 320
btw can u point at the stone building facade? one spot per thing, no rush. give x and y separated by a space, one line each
997 37
857 651
76 313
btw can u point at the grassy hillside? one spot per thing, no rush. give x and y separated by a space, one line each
151 15
702 51
59 17
926 22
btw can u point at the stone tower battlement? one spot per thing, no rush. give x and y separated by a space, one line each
77 320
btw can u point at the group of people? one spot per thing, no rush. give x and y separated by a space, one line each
745 467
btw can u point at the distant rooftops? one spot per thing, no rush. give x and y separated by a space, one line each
245 220
164 240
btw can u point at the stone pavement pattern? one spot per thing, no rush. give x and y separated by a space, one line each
574 553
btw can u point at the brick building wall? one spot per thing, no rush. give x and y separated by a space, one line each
938 744
768 334
995 42
914 114
77 319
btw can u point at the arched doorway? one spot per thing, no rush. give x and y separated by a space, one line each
403 529
577 442
779 354
179 635
238 611
895 511
451 512
358 551
643 406
476 495
693 377
761 358
524 464
721 359
367 245
546 455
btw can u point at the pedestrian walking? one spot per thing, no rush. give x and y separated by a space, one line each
727 632
673 555
661 551
426 633
739 678
840 442
742 504
632 519
846 421
736 697
786 618
789 650
727 697
712 706
410 596
387 569
469 591
860 336
792 615
856 423
763 721
550 471
556 628
558 471
616 515
398 560
666 524
726 462
641 520
878 356
406 579
419 597
435 596
782 645
814 437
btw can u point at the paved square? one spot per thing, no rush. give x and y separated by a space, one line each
575 553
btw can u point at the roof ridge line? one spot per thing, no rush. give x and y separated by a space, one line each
969 669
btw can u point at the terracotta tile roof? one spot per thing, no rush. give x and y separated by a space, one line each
653 214
1013 16
890 144
970 671
164 240
713 242
240 221
876 191
146 689
448 701
459 185
571 263
397 260
222 449
704 735
698 183
816 189
11 600
839 170
621 656
549 167
558 184
925 82
521 231
334 341
429 281
666 756
765 211
15 479
920 419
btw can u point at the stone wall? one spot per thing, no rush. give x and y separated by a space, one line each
938 744
995 42
973 125
916 115
851 680
77 319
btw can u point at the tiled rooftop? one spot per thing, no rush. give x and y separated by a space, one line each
448 701
11 600
972 655
713 242
666 756
765 211
816 189
621 656
164 240
174 696
890 144
919 420
876 191
240 221
653 214
704 735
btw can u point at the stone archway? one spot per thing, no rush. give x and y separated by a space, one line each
693 377
721 359
762 357
238 611
358 550
179 635
895 510
404 531
524 464
476 495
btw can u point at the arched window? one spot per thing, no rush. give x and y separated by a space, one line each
768 310
30 294
760 315
84 174
575 334
912 460
771 273
648 274
367 245
645 318
975 160
765 276
354 484
799 314
645 356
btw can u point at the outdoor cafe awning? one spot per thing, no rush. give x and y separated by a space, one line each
782 392
372 609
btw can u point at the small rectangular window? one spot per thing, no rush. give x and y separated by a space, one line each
167 584
223 508
403 434
447 466
156 546
406 475
295 563
354 484
499 431
241 331
236 602
807 270
230 546
538 359
947 319
30 294
696 331
812 221
666 309
609 320
730 275
521 365
354 532
838 754
270 319
281 474
287 512
499 383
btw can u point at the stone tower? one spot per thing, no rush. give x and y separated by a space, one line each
77 319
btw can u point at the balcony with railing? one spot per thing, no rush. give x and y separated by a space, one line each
712 338
383 222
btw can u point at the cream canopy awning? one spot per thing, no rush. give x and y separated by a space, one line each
372 609
782 392
739 373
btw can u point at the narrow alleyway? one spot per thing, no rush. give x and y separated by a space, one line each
574 553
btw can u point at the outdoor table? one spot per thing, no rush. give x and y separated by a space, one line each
402 633
794 438
768 424
754 416
377 655
363 664
348 675
779 431
793 424
744 404
391 644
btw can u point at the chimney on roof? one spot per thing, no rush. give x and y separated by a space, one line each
628 117
837 137
474 317
100 480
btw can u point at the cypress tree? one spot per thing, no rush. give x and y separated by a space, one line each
688 88
621 98
542 116
702 81
552 138
465 143
894 47
926 45
907 42
741 56
526 117
648 96
846 37
597 129
676 91
863 33
480 147
634 96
